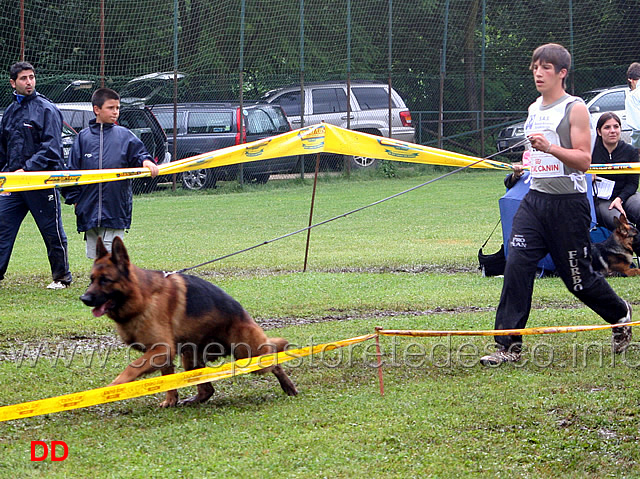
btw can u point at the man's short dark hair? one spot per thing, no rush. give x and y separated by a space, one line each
103 94
552 53
556 55
16 68
633 72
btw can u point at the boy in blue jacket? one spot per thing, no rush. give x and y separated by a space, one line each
104 209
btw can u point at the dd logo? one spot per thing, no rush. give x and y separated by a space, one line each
42 448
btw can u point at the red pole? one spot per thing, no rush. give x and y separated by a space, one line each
313 199
379 354
101 43
22 30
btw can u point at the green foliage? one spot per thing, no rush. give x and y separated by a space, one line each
63 38
387 169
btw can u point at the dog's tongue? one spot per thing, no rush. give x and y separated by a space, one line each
99 310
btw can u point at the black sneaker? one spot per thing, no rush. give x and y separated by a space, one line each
499 357
621 337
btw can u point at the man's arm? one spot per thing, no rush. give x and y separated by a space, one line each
578 157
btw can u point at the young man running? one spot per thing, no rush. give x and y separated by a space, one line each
554 216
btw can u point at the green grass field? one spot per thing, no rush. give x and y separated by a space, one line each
570 409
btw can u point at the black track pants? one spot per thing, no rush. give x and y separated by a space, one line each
44 206
559 225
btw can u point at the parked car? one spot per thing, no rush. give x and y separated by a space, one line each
599 101
510 136
139 119
612 99
68 137
149 89
204 127
327 102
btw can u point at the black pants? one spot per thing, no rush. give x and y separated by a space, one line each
44 206
559 225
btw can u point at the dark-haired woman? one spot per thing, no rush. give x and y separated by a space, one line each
610 149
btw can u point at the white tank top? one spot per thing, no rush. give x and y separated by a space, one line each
548 173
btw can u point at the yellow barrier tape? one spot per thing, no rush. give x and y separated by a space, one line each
615 168
313 139
348 142
145 387
503 332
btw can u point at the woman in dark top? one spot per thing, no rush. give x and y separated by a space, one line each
610 149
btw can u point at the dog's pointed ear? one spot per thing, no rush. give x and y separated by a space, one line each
119 255
101 251
623 219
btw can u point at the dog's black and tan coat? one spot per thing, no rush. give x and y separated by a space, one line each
615 254
176 314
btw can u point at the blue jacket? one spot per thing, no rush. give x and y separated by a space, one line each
31 135
104 146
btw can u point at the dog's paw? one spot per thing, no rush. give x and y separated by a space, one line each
191 401
169 403
292 391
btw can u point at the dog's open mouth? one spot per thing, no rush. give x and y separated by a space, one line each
102 309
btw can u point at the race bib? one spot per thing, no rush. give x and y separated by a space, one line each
545 165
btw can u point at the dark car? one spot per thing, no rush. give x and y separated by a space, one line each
139 119
204 127
68 137
510 136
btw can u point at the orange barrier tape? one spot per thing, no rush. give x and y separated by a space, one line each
146 387
503 332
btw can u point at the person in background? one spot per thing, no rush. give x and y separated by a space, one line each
31 140
104 209
518 171
554 216
624 198
632 103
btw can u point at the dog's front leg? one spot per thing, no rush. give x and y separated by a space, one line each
632 272
172 396
159 356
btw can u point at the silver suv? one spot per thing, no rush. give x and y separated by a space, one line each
327 101
612 99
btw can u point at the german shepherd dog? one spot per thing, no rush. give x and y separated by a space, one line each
163 316
615 254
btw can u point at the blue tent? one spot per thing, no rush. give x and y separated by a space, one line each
509 204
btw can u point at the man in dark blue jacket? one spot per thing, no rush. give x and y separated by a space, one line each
104 209
31 140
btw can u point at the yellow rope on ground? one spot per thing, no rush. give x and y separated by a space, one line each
503 332
146 387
